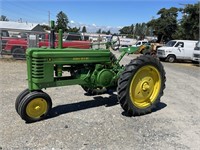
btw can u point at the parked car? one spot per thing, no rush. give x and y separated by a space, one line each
177 50
70 40
17 46
4 33
5 36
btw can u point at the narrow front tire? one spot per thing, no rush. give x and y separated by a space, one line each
20 97
34 106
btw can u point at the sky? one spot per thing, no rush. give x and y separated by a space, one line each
94 14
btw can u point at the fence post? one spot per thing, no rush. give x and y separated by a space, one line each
1 47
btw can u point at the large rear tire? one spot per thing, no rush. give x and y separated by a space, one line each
141 85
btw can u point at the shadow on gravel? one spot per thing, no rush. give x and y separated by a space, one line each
96 102
196 65
160 106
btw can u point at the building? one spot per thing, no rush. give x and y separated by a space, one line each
16 27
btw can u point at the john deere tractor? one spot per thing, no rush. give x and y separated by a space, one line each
139 84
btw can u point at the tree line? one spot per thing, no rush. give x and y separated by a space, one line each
168 26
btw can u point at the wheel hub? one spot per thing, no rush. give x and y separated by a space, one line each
145 86
36 108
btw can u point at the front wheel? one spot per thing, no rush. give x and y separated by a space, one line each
34 106
20 97
141 85
171 58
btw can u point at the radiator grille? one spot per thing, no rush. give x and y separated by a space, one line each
38 68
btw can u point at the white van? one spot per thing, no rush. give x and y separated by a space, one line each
139 43
177 49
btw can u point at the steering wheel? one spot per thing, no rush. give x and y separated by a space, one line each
115 42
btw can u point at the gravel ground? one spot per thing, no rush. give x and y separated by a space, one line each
97 122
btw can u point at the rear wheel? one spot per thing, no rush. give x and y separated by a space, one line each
18 53
34 106
141 85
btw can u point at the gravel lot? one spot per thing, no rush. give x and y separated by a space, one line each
84 122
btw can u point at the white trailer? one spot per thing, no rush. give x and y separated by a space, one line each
126 41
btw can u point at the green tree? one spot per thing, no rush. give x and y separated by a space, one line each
140 30
103 32
132 29
62 21
84 29
99 31
128 31
125 30
3 18
189 24
148 31
108 32
166 25
74 29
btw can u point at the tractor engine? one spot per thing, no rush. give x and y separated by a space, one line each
104 78
101 76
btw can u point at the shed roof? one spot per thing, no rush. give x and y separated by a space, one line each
10 25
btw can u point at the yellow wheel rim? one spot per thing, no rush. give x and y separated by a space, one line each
36 108
145 86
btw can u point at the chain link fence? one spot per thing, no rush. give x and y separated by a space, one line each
13 43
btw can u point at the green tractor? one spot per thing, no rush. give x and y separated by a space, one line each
139 84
